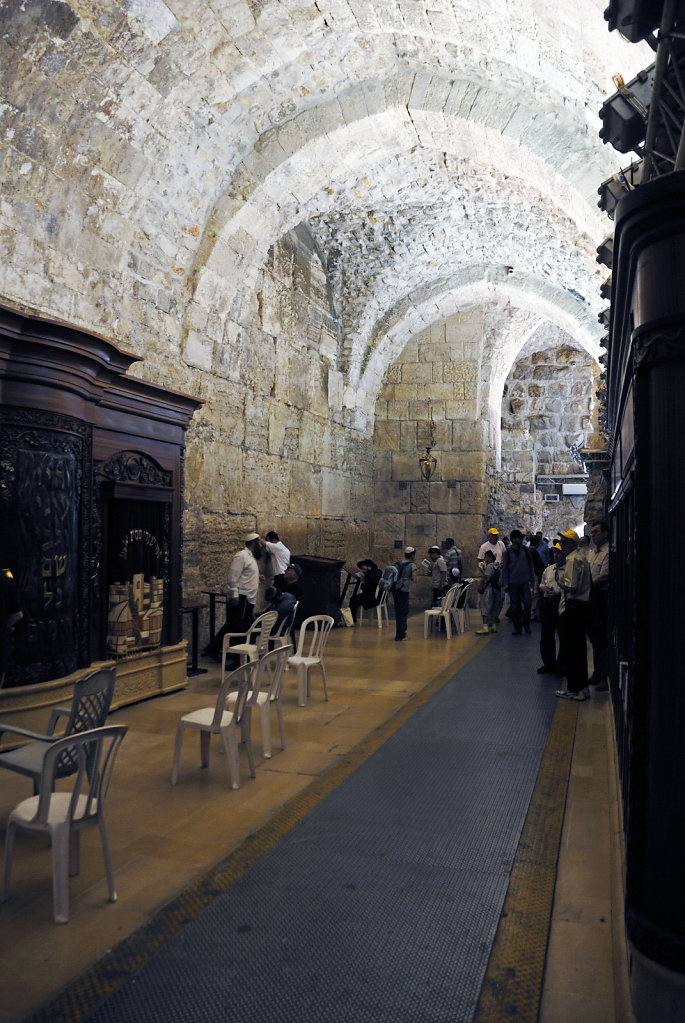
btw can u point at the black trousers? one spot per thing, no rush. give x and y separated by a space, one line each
239 618
548 612
520 602
401 599
361 600
573 624
598 633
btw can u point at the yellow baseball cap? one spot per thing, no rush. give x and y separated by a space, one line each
493 532
570 534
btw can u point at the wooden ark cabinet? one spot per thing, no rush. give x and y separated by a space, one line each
91 496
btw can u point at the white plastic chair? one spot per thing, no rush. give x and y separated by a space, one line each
381 609
89 708
310 646
444 612
63 815
460 609
268 684
256 640
282 637
224 721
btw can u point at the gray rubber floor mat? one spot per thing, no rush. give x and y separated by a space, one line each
382 904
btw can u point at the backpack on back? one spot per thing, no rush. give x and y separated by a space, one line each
453 559
391 578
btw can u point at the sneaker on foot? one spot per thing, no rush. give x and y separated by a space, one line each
482 632
493 628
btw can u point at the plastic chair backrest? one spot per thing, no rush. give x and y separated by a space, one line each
258 625
285 628
269 673
90 705
450 597
239 680
265 623
93 753
313 635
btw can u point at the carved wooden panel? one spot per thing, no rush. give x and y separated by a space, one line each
44 539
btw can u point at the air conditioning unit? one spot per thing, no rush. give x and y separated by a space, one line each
551 498
574 489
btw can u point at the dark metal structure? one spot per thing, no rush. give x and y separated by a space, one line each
645 414
647 417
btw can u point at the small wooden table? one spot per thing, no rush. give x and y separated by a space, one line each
214 596
193 607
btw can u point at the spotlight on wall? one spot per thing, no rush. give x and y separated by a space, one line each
634 19
428 462
605 252
624 115
613 189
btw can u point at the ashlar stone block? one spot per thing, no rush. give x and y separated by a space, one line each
266 481
461 465
197 350
417 372
305 491
405 465
421 531
408 436
443 499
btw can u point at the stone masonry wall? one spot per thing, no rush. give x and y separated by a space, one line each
443 364
547 407
272 447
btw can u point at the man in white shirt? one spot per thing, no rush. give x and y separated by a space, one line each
437 572
279 557
494 544
241 594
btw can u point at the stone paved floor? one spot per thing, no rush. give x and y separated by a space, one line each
164 837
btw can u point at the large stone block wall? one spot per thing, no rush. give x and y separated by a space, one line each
442 363
547 407
273 448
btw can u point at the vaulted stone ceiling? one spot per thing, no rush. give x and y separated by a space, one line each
440 153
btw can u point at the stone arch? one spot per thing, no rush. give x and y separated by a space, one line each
538 300
290 175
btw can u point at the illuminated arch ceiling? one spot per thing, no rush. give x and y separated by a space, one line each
426 145
430 150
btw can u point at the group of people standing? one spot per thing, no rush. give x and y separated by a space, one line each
368 595
564 587
443 566
569 588
242 587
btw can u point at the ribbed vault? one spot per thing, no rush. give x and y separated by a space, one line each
418 142
298 210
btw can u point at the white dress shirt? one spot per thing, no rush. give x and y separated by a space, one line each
280 556
243 577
